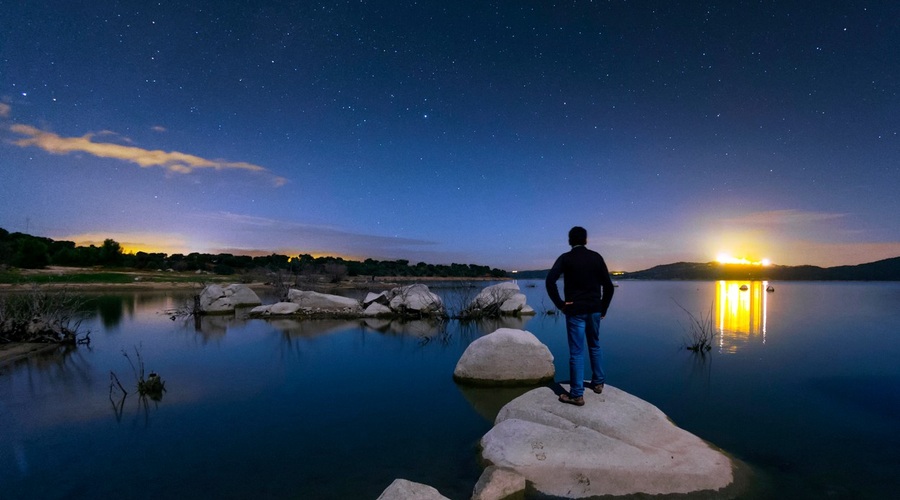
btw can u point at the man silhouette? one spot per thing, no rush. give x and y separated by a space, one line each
588 291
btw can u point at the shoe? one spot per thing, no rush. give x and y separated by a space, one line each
566 398
598 388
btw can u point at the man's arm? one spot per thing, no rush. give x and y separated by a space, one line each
608 288
550 283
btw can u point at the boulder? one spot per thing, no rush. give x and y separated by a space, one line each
214 301
415 298
242 295
401 489
381 298
496 483
276 309
505 357
494 294
617 444
503 299
323 302
376 309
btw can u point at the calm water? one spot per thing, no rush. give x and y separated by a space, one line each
803 385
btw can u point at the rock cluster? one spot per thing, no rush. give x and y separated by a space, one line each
502 299
411 300
415 300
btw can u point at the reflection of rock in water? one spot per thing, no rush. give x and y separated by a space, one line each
415 328
488 401
216 325
311 327
213 326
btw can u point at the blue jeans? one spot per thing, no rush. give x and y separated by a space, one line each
581 327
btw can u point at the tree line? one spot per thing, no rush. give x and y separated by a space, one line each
35 252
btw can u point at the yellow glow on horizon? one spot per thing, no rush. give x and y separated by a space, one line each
724 258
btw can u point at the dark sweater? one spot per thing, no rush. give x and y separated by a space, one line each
586 282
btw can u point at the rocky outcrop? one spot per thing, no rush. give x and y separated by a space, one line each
616 444
505 357
403 302
401 489
502 299
216 299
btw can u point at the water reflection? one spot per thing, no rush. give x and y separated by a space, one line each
740 310
113 309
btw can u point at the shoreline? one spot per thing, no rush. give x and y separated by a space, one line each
158 281
11 352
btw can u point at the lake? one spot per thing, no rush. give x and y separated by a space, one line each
803 385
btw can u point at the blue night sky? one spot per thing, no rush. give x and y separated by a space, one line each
465 131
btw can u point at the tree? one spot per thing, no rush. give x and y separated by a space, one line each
30 253
111 253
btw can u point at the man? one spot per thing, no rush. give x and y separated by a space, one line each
588 291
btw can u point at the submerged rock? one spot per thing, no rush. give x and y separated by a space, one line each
617 444
505 357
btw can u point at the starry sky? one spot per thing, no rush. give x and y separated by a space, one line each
465 131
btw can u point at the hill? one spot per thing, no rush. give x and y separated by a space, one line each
882 270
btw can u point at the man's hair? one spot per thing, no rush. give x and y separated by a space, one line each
577 236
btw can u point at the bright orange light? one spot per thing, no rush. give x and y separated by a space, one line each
724 258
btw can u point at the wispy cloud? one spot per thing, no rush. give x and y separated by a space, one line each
5 110
171 161
784 217
313 237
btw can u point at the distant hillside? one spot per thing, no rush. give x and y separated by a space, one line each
882 270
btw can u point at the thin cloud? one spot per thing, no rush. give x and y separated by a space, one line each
171 161
158 128
307 234
5 110
784 217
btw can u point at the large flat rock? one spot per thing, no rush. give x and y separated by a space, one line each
617 444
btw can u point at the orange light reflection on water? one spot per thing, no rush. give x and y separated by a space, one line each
740 314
